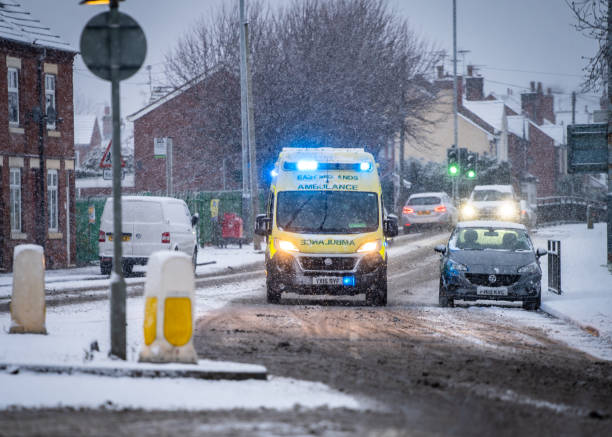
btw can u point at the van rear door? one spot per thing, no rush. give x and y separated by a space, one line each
147 227
107 226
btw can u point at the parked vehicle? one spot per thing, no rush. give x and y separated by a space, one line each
325 226
149 224
491 202
490 260
429 209
529 216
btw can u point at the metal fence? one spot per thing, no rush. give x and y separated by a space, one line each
198 202
554 266
568 209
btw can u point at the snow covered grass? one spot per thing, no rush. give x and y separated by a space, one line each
586 283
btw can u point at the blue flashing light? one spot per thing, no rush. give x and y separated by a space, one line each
348 280
273 173
365 166
307 165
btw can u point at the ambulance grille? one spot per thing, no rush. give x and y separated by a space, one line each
334 263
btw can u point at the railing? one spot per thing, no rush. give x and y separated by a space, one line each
568 209
554 266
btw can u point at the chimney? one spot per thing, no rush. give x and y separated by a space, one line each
548 90
440 69
532 84
538 106
540 88
474 88
107 124
470 70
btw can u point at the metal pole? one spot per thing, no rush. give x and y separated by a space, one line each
455 95
41 224
244 120
169 163
118 295
609 196
252 144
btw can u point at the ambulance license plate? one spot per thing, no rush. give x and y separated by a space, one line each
327 280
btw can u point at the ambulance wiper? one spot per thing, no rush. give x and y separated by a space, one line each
324 215
297 211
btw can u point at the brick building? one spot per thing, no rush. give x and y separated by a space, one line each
203 119
37 97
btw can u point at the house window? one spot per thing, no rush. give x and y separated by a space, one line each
13 95
50 100
15 186
52 191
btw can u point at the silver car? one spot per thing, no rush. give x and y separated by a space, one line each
428 209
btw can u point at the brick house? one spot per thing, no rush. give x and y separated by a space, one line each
36 67
87 137
203 119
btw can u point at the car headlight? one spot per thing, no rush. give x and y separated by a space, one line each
286 246
455 267
468 211
507 210
530 268
370 246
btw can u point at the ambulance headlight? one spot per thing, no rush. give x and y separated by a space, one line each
286 246
307 165
370 246
365 166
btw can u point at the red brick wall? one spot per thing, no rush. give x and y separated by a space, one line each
26 146
203 122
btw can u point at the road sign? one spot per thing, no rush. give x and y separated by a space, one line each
160 145
587 148
107 158
96 47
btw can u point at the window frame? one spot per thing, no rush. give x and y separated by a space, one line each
15 199
50 92
13 90
53 199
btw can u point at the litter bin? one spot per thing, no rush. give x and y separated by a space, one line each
232 230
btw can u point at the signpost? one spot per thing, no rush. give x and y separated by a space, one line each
113 47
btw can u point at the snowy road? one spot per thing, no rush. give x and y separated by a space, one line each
470 370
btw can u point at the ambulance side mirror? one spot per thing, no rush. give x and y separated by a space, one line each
263 225
390 228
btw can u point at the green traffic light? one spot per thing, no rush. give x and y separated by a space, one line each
453 170
471 174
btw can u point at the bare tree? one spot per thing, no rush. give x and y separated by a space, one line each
336 73
592 21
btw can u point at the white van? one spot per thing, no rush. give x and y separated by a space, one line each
149 224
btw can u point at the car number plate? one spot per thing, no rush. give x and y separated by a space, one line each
123 238
426 212
492 291
327 280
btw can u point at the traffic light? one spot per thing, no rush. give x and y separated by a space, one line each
470 165
452 157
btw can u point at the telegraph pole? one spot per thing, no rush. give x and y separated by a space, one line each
455 95
609 195
246 194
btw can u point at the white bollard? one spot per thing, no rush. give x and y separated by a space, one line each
28 298
169 309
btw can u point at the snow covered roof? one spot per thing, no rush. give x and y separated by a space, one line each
517 126
83 128
19 25
491 224
418 195
510 100
500 188
555 131
491 111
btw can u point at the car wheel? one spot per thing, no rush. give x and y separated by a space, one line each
106 267
533 305
443 299
127 268
376 295
273 294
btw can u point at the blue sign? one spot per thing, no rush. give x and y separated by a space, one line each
587 148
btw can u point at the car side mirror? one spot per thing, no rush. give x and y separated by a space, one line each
390 227
440 248
541 252
263 225
195 219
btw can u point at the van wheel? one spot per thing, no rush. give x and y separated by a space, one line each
194 258
273 294
106 267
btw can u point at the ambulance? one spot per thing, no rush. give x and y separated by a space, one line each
325 225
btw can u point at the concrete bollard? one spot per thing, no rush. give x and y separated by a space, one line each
28 297
169 309
589 214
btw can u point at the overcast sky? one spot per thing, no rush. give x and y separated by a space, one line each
512 41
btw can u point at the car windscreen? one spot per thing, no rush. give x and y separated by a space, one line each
485 238
490 195
327 212
416 201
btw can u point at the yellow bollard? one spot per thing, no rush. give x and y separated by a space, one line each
169 310
28 297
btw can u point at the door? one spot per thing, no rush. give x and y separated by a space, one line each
148 227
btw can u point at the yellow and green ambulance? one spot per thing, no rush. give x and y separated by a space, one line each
326 226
